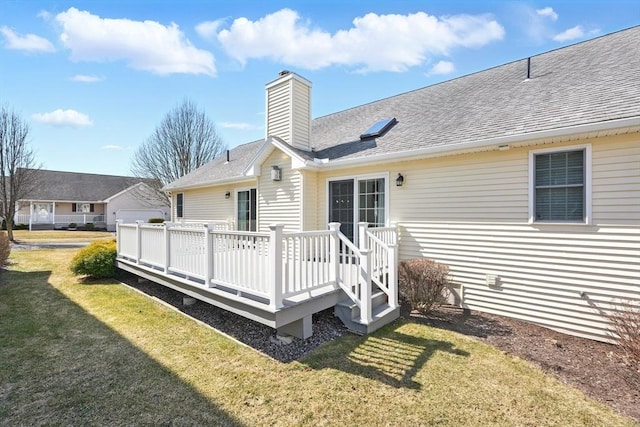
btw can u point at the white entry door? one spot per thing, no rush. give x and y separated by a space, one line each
42 213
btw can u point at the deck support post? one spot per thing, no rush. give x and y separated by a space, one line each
301 328
275 259
334 252
365 274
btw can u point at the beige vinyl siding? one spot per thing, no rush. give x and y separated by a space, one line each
301 115
616 181
310 202
209 204
279 201
470 212
278 112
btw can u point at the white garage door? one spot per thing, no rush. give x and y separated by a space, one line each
132 215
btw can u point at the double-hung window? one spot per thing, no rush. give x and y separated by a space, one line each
560 185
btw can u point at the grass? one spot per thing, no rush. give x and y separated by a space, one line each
50 236
103 354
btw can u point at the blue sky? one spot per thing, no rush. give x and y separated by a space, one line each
94 78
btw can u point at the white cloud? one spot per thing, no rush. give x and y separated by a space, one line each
442 67
59 117
548 12
114 148
237 126
86 79
209 29
144 45
570 34
373 43
29 42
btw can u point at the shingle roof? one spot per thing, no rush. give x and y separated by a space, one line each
219 168
590 82
85 187
593 81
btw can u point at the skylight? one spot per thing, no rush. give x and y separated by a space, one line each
379 128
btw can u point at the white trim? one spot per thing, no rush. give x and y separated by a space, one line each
356 198
587 184
182 216
537 137
271 143
108 199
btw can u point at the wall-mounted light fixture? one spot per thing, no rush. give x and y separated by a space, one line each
276 173
399 180
227 195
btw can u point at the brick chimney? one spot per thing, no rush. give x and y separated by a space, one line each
288 106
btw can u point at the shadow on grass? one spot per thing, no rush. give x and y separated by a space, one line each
59 365
388 356
457 320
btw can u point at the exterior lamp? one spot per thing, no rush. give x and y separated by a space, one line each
276 173
399 180
227 195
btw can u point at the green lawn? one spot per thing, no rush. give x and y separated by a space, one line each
103 354
52 236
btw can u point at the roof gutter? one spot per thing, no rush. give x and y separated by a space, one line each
451 149
232 180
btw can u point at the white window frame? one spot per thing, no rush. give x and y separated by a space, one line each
235 205
182 213
356 201
587 183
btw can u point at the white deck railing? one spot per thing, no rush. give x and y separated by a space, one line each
272 267
80 219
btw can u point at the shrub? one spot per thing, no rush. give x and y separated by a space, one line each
155 220
5 248
96 260
625 322
422 283
72 225
89 226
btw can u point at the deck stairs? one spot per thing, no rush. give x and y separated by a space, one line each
349 313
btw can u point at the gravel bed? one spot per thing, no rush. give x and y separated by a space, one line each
326 327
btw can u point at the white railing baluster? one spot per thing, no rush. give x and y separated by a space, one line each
274 266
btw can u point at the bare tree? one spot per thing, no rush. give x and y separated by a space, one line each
184 140
17 165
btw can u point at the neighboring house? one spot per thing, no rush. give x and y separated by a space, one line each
63 198
524 179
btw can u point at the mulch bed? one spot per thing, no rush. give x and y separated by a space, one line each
595 368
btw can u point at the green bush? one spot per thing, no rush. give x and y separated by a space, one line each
96 260
5 248
155 220
422 283
89 226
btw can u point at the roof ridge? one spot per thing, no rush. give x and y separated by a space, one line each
476 72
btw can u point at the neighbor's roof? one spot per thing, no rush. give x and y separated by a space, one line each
81 187
593 82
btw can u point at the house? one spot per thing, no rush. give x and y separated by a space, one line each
63 198
524 179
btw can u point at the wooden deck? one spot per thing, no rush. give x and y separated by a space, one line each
278 279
